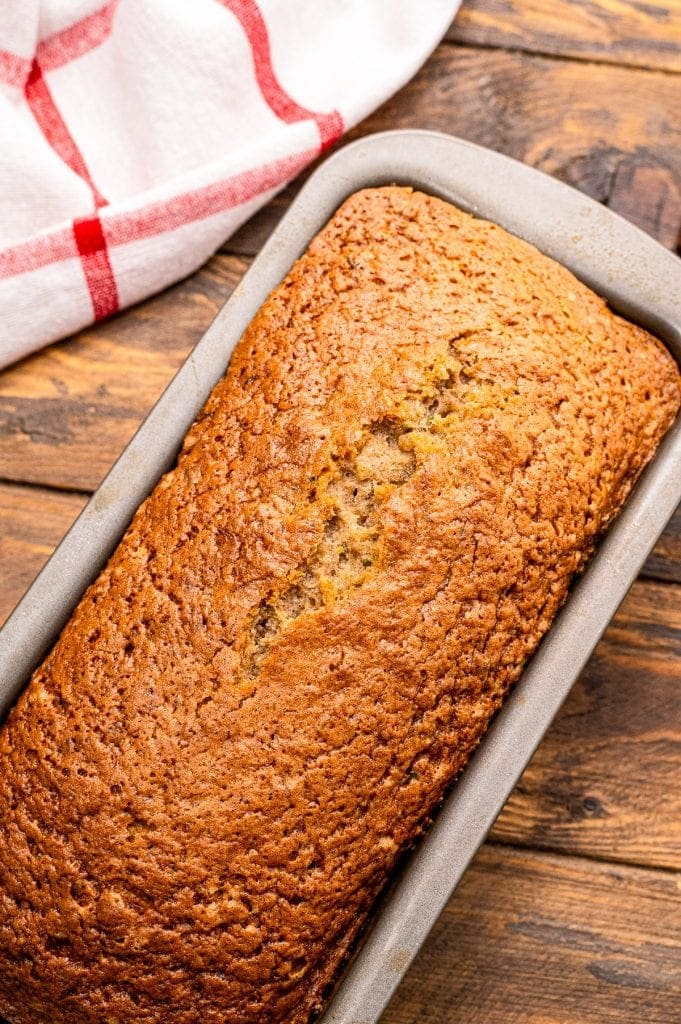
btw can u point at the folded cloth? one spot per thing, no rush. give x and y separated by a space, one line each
137 135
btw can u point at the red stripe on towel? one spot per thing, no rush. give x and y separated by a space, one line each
55 130
38 252
77 39
99 234
278 100
94 257
60 48
14 70
176 211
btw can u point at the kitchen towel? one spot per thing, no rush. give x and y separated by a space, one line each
137 135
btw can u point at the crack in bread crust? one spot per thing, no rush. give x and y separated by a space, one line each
349 548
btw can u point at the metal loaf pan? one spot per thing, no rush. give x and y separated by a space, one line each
638 277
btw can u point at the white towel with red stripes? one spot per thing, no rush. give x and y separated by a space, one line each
137 135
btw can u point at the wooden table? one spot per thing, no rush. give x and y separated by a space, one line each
572 911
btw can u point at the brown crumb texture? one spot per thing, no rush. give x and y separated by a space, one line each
311 621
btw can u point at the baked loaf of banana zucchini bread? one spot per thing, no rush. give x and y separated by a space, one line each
312 619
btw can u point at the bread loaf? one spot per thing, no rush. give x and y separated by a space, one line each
312 619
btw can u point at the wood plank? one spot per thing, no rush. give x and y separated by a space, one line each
603 782
67 412
529 936
549 113
665 561
32 522
618 31
647 194
549 940
613 132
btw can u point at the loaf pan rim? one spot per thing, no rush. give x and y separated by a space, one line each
635 274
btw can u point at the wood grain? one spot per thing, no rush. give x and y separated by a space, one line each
531 935
575 121
541 939
604 781
616 31
67 412
647 194
593 126
665 561
32 522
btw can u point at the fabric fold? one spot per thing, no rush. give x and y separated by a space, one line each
140 134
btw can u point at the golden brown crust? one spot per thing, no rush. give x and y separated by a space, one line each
312 619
